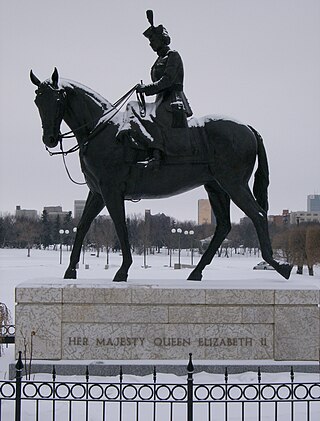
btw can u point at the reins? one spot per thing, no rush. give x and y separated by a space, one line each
116 107
70 134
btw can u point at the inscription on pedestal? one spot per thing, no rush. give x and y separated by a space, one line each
156 341
124 341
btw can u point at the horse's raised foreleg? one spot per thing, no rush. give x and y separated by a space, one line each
242 197
220 204
93 207
115 205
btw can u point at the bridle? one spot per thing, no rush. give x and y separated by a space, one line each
116 107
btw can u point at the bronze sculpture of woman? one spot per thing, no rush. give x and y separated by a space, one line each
171 105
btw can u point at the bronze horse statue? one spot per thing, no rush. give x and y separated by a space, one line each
230 158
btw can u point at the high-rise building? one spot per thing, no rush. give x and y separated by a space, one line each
78 208
313 203
205 213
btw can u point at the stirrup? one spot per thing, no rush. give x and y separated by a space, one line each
154 161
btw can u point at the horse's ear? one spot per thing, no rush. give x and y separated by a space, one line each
34 79
55 78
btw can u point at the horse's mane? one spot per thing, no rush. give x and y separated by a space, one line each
99 99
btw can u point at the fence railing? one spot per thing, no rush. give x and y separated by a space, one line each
7 334
25 400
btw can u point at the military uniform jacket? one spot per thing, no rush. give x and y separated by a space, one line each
167 76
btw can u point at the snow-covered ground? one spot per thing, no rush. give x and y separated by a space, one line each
234 272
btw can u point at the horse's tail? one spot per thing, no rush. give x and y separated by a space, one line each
261 176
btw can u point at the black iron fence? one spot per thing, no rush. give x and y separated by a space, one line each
7 335
23 400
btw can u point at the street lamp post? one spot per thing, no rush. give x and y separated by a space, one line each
145 255
74 230
179 231
107 254
61 232
191 232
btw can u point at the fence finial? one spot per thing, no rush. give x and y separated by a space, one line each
190 367
292 374
54 373
19 365
259 375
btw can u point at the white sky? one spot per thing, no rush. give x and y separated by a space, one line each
255 60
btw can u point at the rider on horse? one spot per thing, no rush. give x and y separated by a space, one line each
171 105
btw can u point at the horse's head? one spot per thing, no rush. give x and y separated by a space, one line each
50 100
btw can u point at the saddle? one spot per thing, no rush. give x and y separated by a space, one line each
185 144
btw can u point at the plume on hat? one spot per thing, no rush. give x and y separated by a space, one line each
149 14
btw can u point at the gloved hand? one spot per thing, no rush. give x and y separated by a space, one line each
140 88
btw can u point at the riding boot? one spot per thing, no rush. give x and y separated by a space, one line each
154 162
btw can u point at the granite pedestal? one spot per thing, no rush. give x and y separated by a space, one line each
68 320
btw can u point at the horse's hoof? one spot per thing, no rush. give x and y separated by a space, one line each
285 270
119 280
70 274
195 276
120 277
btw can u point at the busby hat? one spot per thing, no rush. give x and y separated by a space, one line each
159 30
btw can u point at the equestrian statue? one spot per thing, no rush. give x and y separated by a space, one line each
156 150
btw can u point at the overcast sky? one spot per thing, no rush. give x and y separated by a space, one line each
254 60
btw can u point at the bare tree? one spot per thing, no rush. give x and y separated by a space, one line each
312 247
297 244
28 232
280 243
5 320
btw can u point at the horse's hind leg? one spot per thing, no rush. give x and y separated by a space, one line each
93 207
242 197
220 203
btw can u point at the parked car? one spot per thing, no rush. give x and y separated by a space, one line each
263 266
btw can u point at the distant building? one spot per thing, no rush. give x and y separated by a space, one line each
303 217
26 213
280 220
313 203
56 211
154 221
205 213
78 208
148 217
